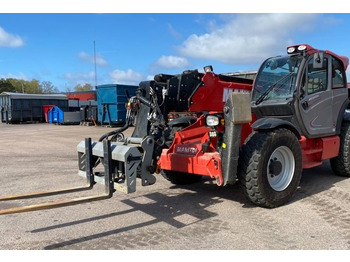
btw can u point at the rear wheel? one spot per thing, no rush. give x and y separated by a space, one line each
270 167
179 178
341 164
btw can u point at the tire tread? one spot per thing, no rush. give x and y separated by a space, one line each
250 157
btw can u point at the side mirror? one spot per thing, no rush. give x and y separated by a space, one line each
318 60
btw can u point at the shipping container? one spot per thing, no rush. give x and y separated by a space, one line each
55 115
73 104
111 100
58 116
19 108
88 114
82 95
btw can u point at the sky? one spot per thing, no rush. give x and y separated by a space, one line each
128 45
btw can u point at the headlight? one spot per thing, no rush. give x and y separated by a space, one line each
212 120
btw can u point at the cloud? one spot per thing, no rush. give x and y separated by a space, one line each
128 77
10 40
172 62
246 38
100 61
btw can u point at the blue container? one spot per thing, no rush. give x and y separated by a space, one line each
58 116
111 100
55 115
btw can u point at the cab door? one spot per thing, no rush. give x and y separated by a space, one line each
316 100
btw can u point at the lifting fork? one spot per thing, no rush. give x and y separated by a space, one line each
109 185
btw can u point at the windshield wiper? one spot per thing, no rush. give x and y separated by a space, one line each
263 95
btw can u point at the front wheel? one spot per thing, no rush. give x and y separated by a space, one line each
341 164
270 167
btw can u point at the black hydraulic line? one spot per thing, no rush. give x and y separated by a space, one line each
143 100
115 132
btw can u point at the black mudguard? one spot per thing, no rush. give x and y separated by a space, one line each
269 123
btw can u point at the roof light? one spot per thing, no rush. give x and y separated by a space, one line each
301 47
290 50
208 69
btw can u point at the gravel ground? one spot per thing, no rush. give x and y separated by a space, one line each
201 216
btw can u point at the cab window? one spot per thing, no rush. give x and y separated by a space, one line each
338 79
316 78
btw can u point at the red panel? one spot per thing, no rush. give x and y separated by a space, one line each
186 153
212 95
46 111
207 164
84 96
316 150
331 147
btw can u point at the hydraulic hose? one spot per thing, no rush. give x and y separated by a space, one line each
126 126
145 101
115 132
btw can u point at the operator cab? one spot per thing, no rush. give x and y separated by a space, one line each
307 88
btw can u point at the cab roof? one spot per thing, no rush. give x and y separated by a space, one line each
310 50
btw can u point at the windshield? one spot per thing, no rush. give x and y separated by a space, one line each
276 78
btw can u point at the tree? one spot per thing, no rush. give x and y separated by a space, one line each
6 86
48 87
30 87
18 85
23 86
33 87
85 87
67 89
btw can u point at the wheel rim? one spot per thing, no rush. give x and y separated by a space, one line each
280 169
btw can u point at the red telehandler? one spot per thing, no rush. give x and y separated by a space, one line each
261 134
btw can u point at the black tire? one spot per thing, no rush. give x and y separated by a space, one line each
266 167
179 178
341 164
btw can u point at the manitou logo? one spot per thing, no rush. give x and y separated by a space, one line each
227 92
186 150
